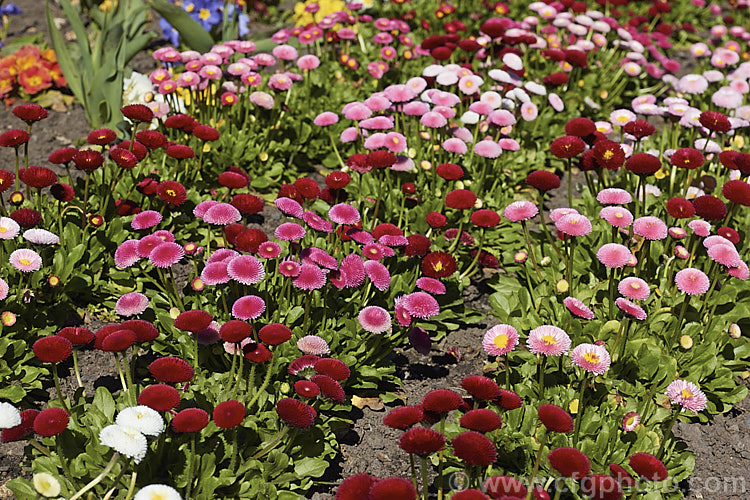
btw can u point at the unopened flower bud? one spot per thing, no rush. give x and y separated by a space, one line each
734 331
520 257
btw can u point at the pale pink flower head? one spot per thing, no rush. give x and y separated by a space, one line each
700 227
455 145
548 340
131 304
725 255
290 231
502 118
630 308
126 254
614 196
488 149
308 62
343 213
285 52
215 273
313 345
651 228
557 213
248 307
574 225
613 255
421 305
470 84
740 272
325 119
687 395
374 319
201 208
399 93
222 214
40 236
520 211
591 357
692 281
634 288
166 255
431 285
433 119
146 219
395 142
356 111
246 269
269 250
9 228
616 216
310 277
578 308
677 233
529 111
692 84
500 340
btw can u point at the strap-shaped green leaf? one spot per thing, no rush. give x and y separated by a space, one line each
191 33
69 68
74 18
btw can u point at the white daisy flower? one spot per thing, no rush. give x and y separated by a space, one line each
124 440
9 416
143 419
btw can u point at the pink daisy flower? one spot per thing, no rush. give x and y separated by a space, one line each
393 240
725 255
500 340
131 304
310 277
290 207
145 219
25 260
317 223
378 274
520 211
692 281
269 250
488 149
455 145
289 268
687 395
374 251
354 269
578 308
344 213
125 255
248 307
313 345
557 214
634 288
290 231
651 228
740 272
320 257
246 269
374 319
613 255
325 119
166 255
202 207
591 357
715 239
147 244
700 227
574 224
421 305
677 233
616 216
222 214
548 340
431 285
222 255
630 308
9 228
215 273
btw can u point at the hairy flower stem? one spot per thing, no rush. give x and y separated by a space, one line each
618 353
670 423
131 488
682 315
531 249
235 449
542 440
177 295
76 370
441 461
97 479
470 270
265 383
190 459
60 396
425 489
85 200
39 447
119 372
507 372
270 446
579 413
570 182
541 365
413 471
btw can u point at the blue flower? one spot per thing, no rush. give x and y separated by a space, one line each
170 34
10 10
206 12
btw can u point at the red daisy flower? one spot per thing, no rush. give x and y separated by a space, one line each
737 191
295 413
338 180
247 203
229 414
88 160
21 430
190 420
710 207
52 349
334 368
474 448
139 150
171 369
449 171
403 417
152 139
329 387
160 397
438 265
256 353
460 199
275 334
555 418
680 208
307 187
421 441
206 133
504 486
436 220
567 146
249 240
689 158
481 420
61 192
381 159
232 180
26 217
306 389
639 129
648 467
14 138
6 180
30 113
179 121
418 245
441 401
63 155
180 151
76 335
101 137
556 79
608 154
193 321
643 164
485 218
580 127
481 387
118 340
51 422
623 477
569 462
715 121
137 112
601 487
355 487
123 158
37 177
145 331
172 192
509 400
730 234
543 180
235 331
393 488
469 495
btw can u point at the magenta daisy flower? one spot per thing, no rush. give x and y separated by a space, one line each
520 211
215 273
630 308
147 244
248 307
431 285
500 340
146 219
125 255
289 231
289 268
631 421
202 207
378 274
290 207
651 228
613 255
634 288
700 227
613 196
25 260
548 340
317 222
310 277
557 214
374 319
344 213
131 304
313 345
352 266
269 250
591 357
222 214
166 255
740 272
574 224
687 395
578 308
320 257
246 269
421 305
725 255
692 281
616 216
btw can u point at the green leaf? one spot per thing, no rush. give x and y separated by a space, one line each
313 467
191 33
69 68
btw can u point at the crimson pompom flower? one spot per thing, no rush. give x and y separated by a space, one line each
338 180
88 160
730 234
139 150
206 133
172 192
609 154
101 136
438 265
359 162
123 158
580 127
250 239
737 191
30 113
441 401
118 340
643 164
193 321
403 417
180 151
356 487
171 369
334 368
61 192
26 217
509 400
306 389
275 334
63 155
555 418
623 477
6 180
474 448
145 331
247 203
295 413
13 138
393 488
460 199
329 388
152 139
648 467
232 180
436 220
307 187
418 245
639 128
567 146
449 171
180 120
381 159
709 207
570 462
481 420
235 331
52 349
37 177
51 422
689 158
21 430
485 218
160 397
421 441
190 420
543 180
504 486
229 414
556 79
601 487
76 335
256 353
715 121
137 112
481 387
680 208
469 495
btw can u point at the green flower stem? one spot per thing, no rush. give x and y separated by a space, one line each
458 237
531 249
569 267
476 257
39 447
119 371
636 198
710 317
270 446
265 383
128 378
85 199
535 470
177 295
60 396
76 370
425 492
558 493
570 182
682 315
441 461
611 294
97 479
377 204
507 371
190 459
17 177
131 488
413 472
579 414
335 149
541 365
232 370
670 423
620 352
235 449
